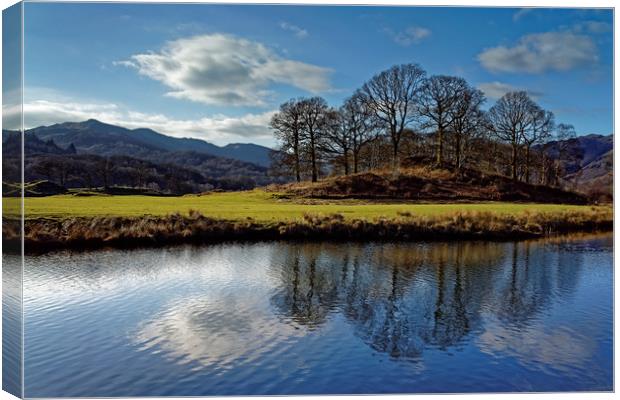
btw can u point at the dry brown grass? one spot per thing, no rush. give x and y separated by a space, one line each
428 184
87 232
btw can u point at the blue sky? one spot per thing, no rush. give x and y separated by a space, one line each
218 72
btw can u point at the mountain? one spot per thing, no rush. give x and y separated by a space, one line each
593 146
588 164
580 151
596 177
103 139
249 152
11 145
92 154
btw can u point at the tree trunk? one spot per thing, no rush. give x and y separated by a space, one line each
558 170
297 166
313 157
527 164
440 147
491 160
395 162
346 162
355 161
514 161
543 170
458 152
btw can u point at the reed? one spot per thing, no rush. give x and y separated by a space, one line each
42 234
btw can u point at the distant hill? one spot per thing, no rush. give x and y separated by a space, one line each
589 163
92 154
582 150
103 139
11 144
596 177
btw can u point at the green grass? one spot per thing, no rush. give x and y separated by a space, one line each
258 205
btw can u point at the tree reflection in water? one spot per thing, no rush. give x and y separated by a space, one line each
277 317
403 298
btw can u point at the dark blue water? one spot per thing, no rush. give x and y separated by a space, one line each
278 318
12 325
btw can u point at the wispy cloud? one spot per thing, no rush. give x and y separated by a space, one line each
411 35
521 13
223 69
495 90
540 52
219 129
594 27
297 31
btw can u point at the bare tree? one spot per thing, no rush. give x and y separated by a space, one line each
358 120
509 117
439 97
287 124
337 139
538 131
376 154
45 167
63 167
391 96
314 123
141 171
468 122
374 127
105 168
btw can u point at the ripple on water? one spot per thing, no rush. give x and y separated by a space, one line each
284 318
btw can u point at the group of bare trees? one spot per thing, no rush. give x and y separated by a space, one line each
400 115
517 120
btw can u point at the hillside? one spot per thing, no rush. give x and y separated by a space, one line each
11 145
588 165
169 172
596 177
96 137
429 185
581 152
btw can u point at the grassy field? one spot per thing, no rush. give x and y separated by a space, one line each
259 205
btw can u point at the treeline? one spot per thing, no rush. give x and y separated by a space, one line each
401 117
89 171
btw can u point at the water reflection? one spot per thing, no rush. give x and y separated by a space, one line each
205 330
403 298
277 318
11 324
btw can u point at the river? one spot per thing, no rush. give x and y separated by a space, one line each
308 318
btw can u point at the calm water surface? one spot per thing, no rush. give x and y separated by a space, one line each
282 318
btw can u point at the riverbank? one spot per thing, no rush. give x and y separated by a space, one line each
86 232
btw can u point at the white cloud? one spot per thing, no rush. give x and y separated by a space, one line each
297 31
11 108
594 27
521 13
222 69
495 90
540 52
411 35
538 347
218 129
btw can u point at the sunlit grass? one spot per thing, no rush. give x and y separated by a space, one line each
258 205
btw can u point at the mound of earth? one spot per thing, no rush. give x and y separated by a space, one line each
444 186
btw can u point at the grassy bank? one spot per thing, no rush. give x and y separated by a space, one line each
126 221
259 205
